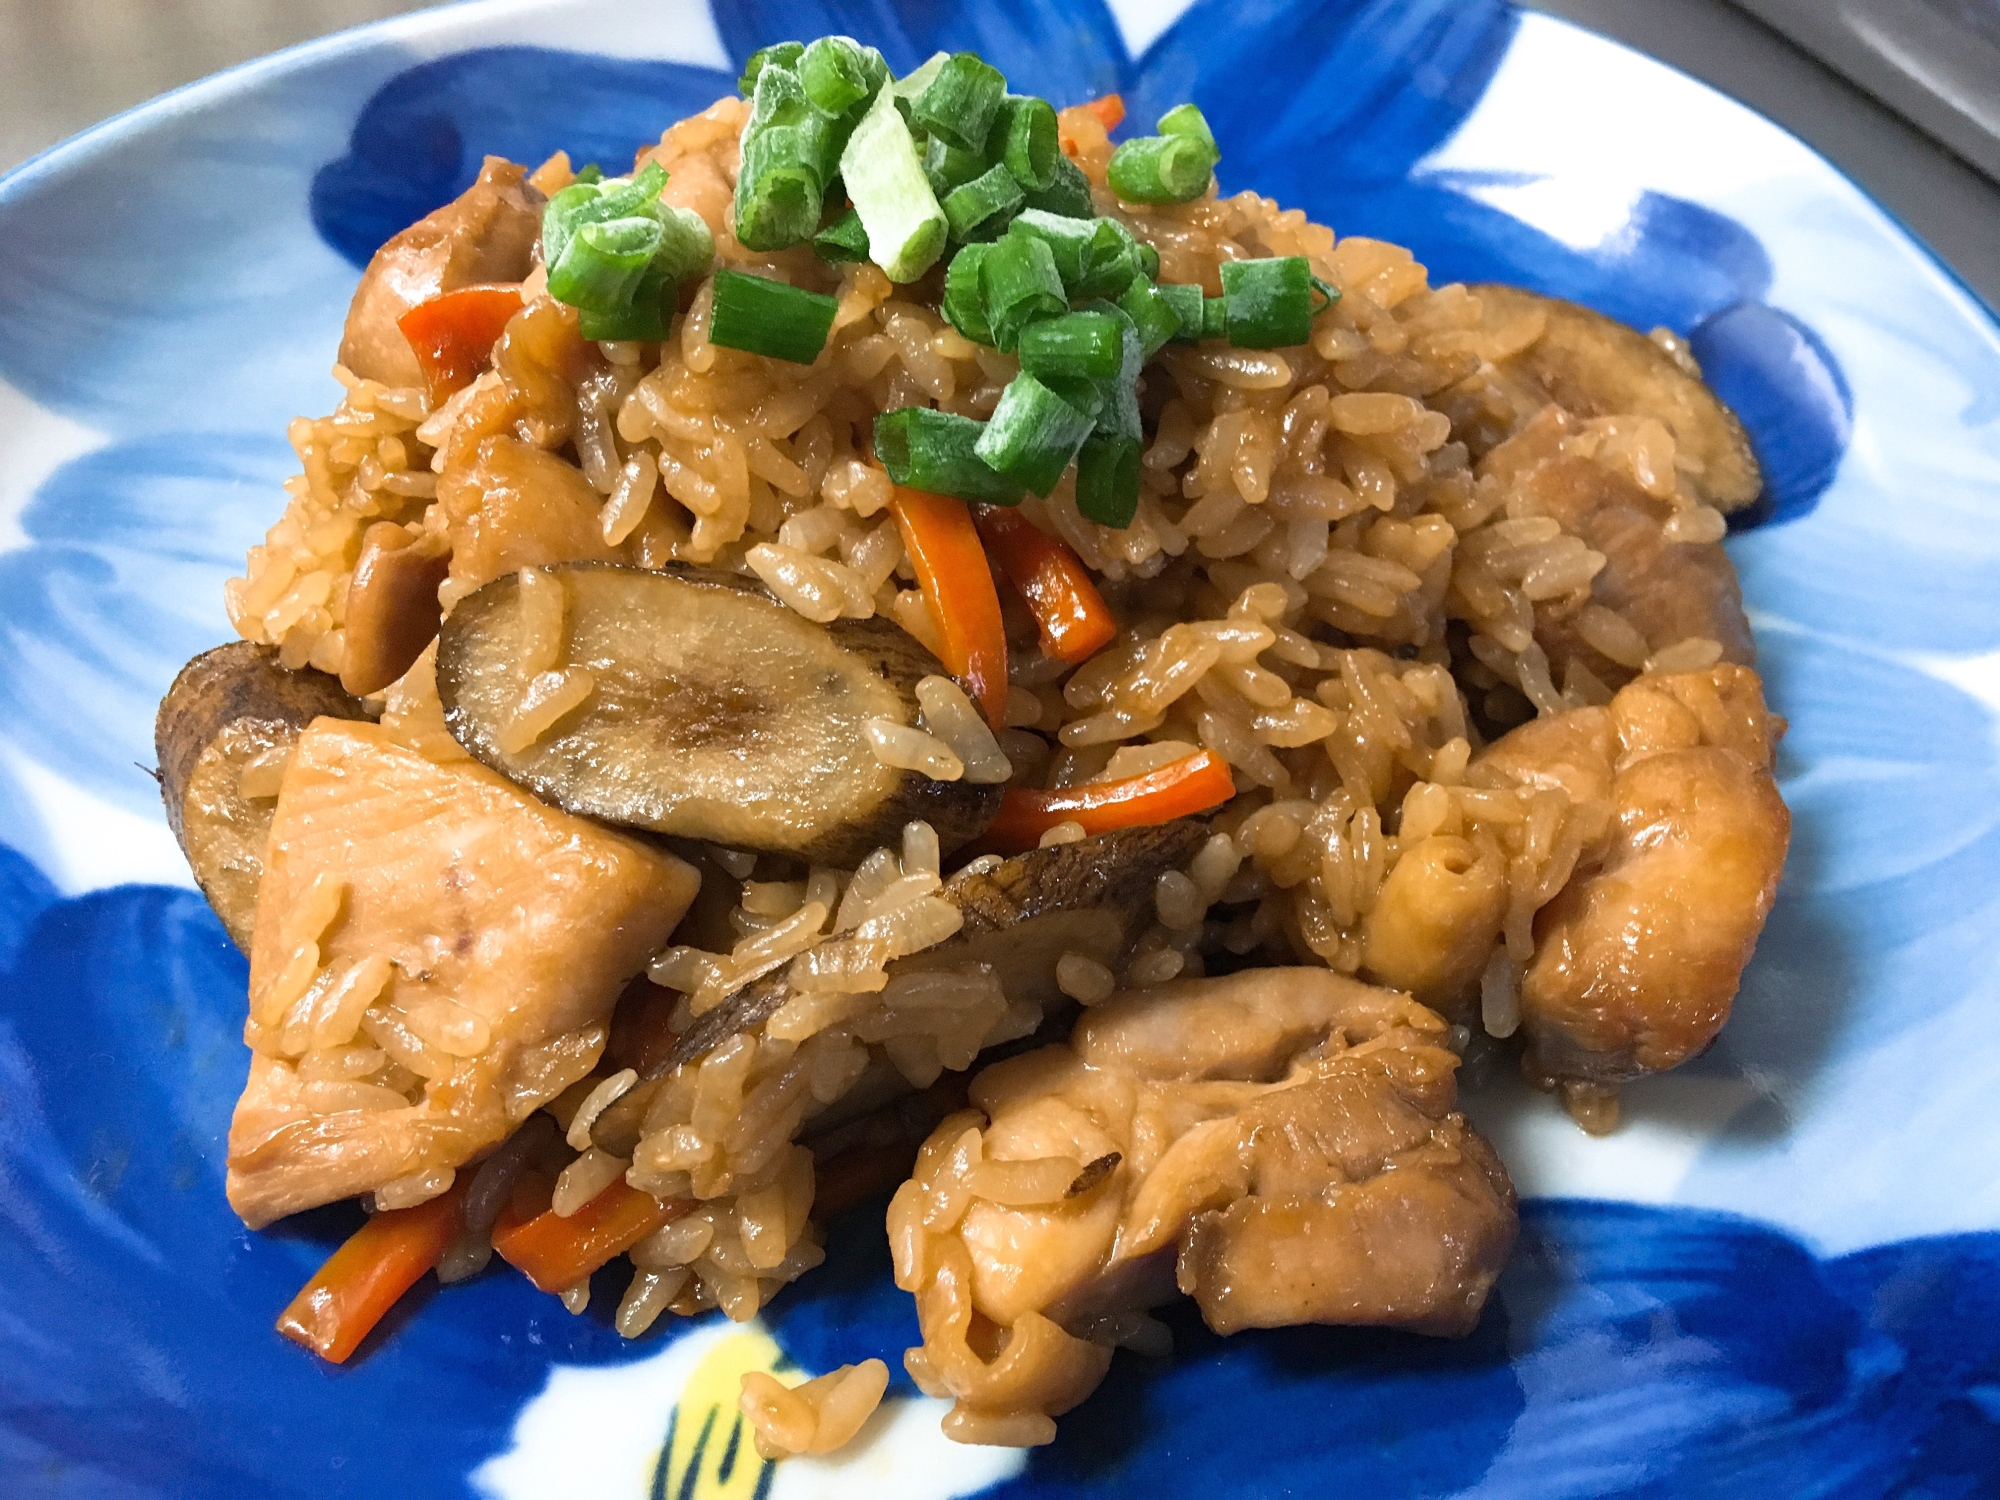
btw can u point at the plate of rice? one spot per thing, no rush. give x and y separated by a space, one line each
828 750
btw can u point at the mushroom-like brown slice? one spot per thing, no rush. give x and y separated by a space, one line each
714 713
1596 366
230 711
392 605
1280 1144
486 234
1092 897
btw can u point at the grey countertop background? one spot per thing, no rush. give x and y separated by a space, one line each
68 63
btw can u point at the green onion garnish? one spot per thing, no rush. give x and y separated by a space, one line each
946 167
761 316
789 148
615 253
964 304
960 102
602 263
1214 317
1186 302
785 54
837 73
934 450
1019 285
992 196
1068 192
1033 434
1152 315
1149 261
1111 261
1268 304
885 180
1075 346
843 241
1107 480
590 173
1160 169
1185 119
1029 146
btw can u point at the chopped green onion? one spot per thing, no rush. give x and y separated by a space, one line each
1111 261
1076 346
591 173
785 54
602 265
642 318
1186 302
1161 169
1068 192
994 194
1268 304
907 89
1214 317
885 180
964 304
946 167
1068 241
934 451
1152 315
843 241
1088 396
789 151
761 316
961 101
1329 294
1019 285
1107 480
1033 434
595 203
1185 119
838 73
1029 143
1149 261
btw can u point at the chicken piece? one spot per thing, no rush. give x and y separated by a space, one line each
486 234
436 956
1280 1145
514 506
1638 958
1669 591
392 605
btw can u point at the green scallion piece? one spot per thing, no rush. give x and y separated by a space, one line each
1068 192
1327 293
1152 315
1185 119
685 249
1111 261
789 150
1149 261
602 263
985 203
591 173
838 73
885 179
1028 142
1033 434
1019 285
934 450
785 54
596 203
1161 169
1107 480
1215 317
842 242
1268 304
762 316
910 87
946 167
1075 346
1069 241
961 101
1186 302
964 304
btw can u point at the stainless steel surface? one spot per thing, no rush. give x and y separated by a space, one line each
66 63
1936 61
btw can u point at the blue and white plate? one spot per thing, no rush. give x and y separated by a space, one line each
1781 1278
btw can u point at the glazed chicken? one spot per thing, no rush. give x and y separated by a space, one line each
1280 1145
416 987
1637 959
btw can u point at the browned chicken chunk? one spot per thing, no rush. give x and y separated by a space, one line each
1280 1145
487 233
1638 958
436 956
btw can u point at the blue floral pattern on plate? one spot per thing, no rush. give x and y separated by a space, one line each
1779 1279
